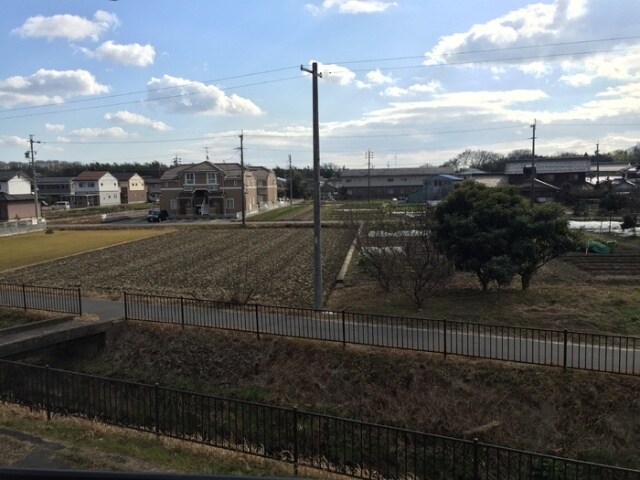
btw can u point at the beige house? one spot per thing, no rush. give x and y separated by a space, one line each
132 187
267 186
211 189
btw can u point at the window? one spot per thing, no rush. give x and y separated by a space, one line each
91 184
236 183
230 204
174 204
348 180
189 178
81 184
389 179
212 178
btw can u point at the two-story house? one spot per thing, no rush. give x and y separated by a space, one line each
193 190
214 189
386 182
267 186
53 189
16 198
132 187
96 189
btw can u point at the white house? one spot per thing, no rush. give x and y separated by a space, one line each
14 183
96 189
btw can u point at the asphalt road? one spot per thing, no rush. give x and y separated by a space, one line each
533 346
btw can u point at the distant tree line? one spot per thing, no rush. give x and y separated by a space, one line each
495 162
61 168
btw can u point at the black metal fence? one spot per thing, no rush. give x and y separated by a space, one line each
52 299
349 447
560 348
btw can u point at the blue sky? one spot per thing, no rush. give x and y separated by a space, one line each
414 81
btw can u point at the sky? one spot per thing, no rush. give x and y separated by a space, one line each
415 82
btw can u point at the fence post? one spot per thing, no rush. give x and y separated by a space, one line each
156 390
476 460
344 331
47 390
24 296
126 307
564 353
182 311
444 322
295 441
79 302
257 314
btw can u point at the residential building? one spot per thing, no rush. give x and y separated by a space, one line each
53 189
266 186
96 189
552 171
154 188
15 183
132 187
16 199
436 187
213 189
386 182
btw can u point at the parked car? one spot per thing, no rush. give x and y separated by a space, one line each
61 206
157 215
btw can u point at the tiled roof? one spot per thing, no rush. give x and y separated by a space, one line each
6 175
559 165
90 176
396 172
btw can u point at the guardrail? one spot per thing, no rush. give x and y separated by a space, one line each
301 438
52 299
537 346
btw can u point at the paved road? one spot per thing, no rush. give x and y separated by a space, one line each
545 347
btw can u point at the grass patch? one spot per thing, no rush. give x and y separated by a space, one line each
575 414
11 317
291 212
90 445
38 247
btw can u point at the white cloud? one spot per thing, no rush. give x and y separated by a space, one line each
70 27
13 141
376 77
130 54
48 86
130 118
335 74
351 6
187 96
53 127
111 132
394 91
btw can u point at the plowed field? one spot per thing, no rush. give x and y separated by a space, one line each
275 265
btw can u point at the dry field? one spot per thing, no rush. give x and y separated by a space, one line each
274 264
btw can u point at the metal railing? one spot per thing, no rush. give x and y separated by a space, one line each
32 297
538 346
333 444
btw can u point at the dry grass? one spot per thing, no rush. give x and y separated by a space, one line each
561 296
32 248
87 445
11 317
577 414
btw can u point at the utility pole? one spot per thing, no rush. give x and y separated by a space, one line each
533 162
244 224
35 178
368 155
290 182
598 165
317 246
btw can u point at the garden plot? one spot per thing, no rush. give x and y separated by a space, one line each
265 265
